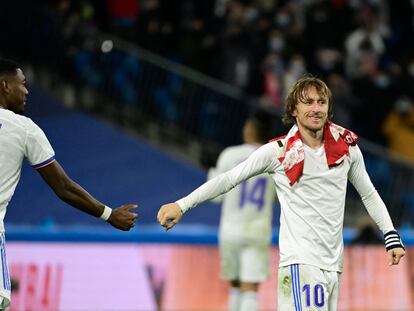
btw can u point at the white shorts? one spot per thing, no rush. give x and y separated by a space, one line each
244 262
5 286
305 287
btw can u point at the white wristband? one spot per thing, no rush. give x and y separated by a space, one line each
106 213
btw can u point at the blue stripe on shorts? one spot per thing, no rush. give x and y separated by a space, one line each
295 277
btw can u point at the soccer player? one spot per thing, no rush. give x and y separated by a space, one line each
310 167
246 219
21 138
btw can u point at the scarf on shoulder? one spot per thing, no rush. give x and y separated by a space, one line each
336 140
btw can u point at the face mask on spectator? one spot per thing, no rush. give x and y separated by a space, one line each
276 44
382 81
282 20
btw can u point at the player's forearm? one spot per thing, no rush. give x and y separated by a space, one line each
69 191
378 211
74 195
375 206
208 191
263 160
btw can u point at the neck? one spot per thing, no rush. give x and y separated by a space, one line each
313 139
253 142
251 139
2 102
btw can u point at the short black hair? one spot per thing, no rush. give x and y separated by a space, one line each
262 122
8 67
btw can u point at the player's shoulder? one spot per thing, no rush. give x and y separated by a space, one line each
237 149
233 155
279 145
16 120
355 151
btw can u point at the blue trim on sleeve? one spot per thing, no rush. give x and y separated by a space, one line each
44 163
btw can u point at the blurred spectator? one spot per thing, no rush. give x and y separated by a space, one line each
123 16
273 69
149 26
327 24
328 60
399 128
236 56
376 92
345 102
294 71
369 37
260 46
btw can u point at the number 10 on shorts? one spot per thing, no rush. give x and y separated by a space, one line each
314 295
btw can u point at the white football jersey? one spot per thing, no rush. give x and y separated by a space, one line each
312 210
246 212
20 138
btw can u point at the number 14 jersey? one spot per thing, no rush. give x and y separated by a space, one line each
246 211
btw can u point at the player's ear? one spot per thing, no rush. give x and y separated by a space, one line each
4 84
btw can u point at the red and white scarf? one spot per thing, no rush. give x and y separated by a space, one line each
336 141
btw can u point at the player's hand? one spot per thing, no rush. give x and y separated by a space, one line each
122 218
169 215
394 255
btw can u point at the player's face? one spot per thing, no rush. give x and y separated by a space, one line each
311 111
16 99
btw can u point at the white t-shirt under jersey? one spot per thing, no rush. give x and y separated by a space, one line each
312 210
20 138
246 211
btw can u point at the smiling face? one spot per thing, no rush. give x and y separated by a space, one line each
308 103
311 112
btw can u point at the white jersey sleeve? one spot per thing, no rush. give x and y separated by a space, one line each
20 138
263 160
359 178
38 150
225 162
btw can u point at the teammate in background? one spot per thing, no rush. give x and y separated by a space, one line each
310 167
246 219
21 138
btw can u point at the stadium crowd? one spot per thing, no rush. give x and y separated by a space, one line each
362 48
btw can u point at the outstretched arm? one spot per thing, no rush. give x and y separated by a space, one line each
73 194
261 161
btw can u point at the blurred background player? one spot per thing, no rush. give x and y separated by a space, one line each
21 138
246 219
310 168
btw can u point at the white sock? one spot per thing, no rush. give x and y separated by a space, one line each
234 299
248 301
